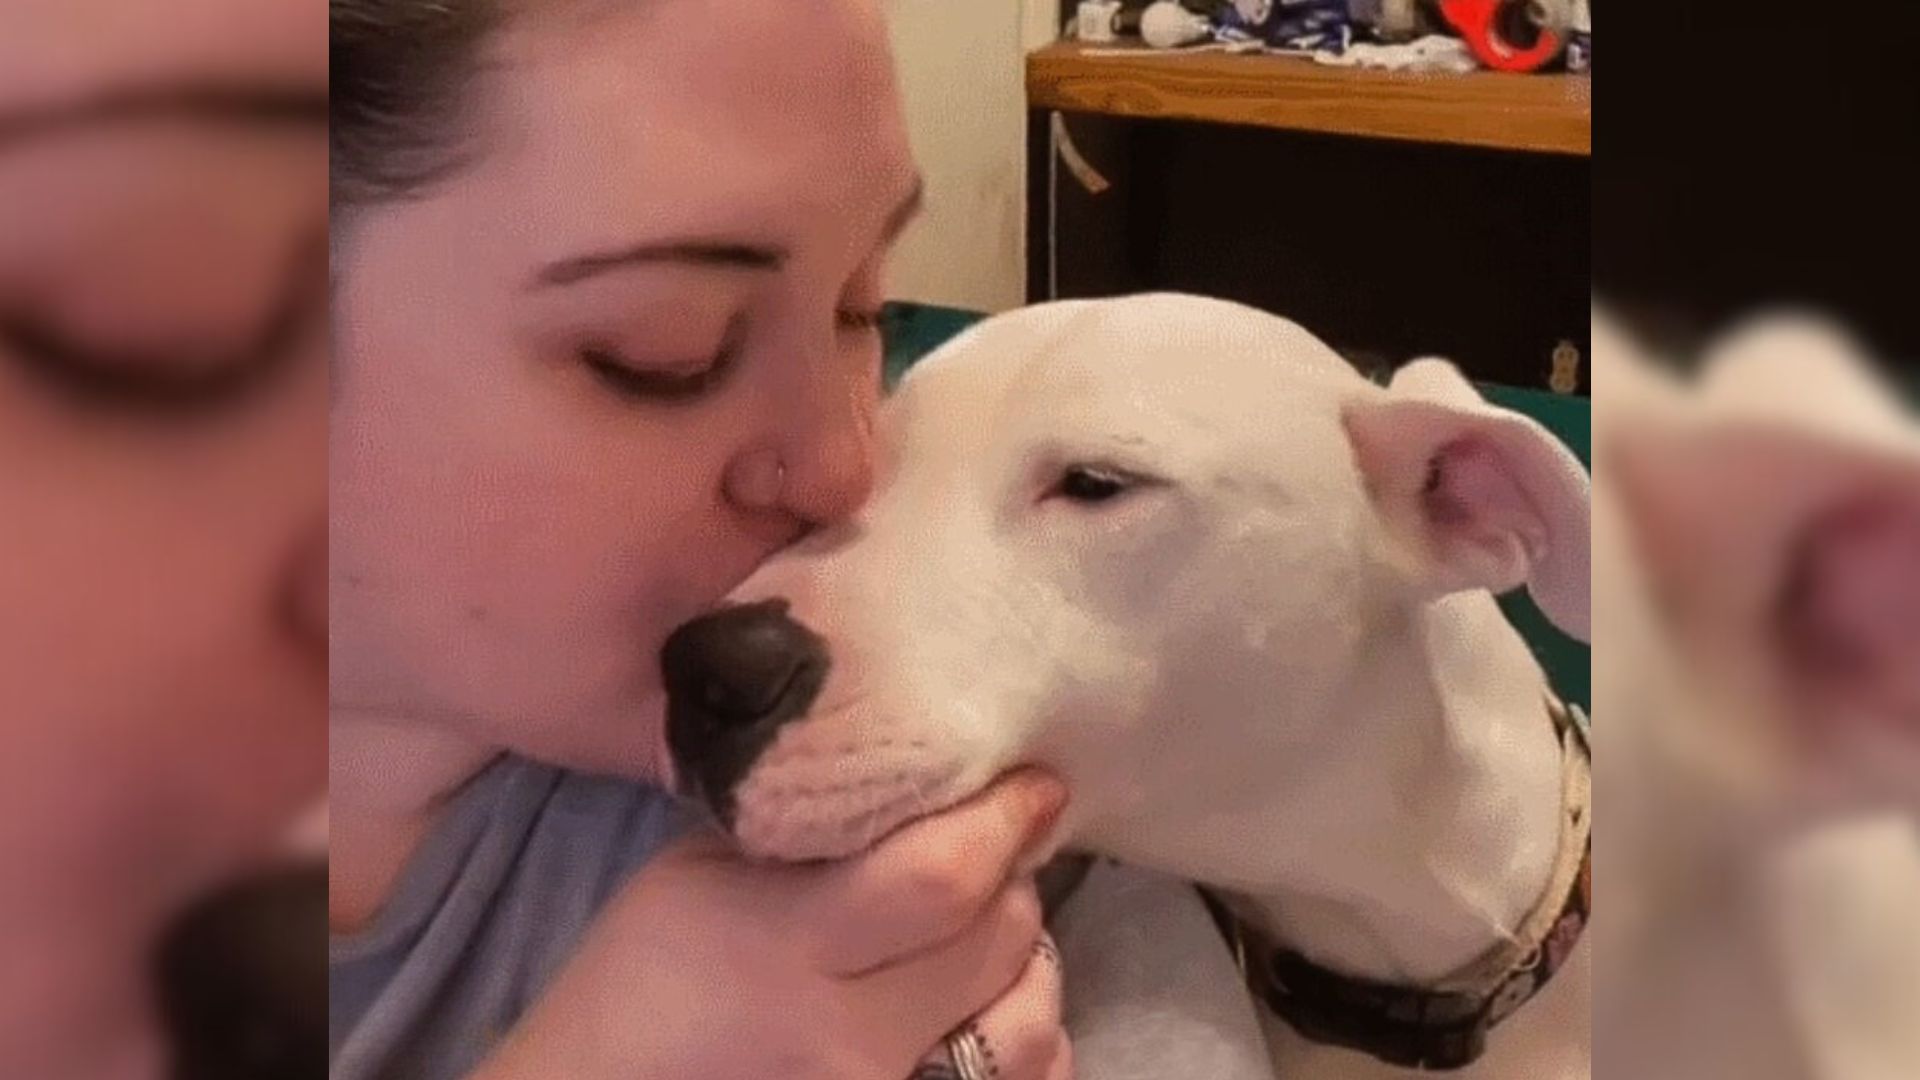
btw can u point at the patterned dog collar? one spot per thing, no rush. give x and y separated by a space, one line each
1443 1026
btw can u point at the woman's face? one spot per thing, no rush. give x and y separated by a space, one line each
162 408
586 385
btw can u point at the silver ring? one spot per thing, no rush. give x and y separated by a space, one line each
972 1059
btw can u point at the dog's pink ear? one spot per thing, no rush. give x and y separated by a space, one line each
1850 605
1782 507
1486 497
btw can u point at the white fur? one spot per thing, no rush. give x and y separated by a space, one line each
1276 668
1762 911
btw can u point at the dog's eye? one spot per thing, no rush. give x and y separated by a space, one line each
1085 484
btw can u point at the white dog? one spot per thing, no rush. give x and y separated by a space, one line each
1242 600
1758 529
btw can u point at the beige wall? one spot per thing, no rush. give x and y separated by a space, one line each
962 76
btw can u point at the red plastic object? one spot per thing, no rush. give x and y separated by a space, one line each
1478 22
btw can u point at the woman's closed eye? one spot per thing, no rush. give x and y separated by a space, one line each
683 381
652 382
179 378
665 381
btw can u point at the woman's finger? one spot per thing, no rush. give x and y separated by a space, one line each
1018 1037
1062 1059
1021 1031
929 881
937 991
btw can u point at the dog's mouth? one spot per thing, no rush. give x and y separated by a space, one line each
837 823
787 752
813 799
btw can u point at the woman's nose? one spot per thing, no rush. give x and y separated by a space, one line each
823 466
834 472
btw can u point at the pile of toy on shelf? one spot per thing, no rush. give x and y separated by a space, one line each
1453 35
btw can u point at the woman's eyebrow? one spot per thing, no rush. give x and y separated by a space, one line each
721 254
247 105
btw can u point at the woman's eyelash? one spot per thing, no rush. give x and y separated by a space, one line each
638 382
151 384
651 384
641 382
857 320
165 384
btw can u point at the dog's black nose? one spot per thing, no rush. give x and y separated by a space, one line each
733 678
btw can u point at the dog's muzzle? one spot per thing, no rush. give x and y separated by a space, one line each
733 678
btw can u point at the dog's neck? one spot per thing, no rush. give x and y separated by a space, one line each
1448 815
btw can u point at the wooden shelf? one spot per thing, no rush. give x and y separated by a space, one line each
1540 113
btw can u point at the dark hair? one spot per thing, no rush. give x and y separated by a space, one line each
401 72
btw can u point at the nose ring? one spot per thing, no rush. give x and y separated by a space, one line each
757 480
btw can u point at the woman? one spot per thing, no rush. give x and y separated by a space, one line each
162 504
607 275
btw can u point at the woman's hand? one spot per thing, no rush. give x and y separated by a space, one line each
708 967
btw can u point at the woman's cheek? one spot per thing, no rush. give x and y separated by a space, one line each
158 683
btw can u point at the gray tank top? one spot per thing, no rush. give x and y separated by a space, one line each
504 887
484 916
